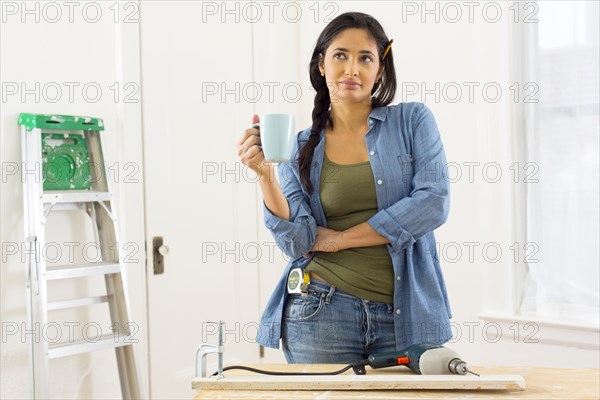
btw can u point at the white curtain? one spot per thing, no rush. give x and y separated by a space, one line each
562 207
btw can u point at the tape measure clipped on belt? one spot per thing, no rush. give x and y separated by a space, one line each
298 281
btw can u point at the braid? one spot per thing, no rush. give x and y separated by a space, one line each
320 117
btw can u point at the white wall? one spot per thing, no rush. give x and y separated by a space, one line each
430 52
52 51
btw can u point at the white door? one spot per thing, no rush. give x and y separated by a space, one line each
198 199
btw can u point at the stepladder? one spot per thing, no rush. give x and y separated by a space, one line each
64 173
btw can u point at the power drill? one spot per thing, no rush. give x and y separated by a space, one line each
423 359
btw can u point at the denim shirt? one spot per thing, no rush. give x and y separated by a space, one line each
409 166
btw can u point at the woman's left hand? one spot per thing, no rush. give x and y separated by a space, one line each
327 240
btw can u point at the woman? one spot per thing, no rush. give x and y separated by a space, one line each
356 207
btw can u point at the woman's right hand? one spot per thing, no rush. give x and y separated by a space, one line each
250 152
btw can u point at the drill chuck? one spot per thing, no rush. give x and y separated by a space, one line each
458 367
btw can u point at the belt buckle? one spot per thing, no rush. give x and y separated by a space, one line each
298 281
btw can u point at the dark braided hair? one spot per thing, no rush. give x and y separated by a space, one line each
383 91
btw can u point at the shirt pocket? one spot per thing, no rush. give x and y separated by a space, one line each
407 170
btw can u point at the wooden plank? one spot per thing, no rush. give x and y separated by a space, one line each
542 383
363 382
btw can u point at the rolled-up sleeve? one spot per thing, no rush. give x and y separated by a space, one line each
296 236
427 206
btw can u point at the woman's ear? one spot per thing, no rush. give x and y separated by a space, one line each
321 64
380 73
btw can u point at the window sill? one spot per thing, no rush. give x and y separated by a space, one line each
536 329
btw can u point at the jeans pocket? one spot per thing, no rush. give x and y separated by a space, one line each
299 308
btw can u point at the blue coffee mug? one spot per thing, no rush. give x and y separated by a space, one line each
277 136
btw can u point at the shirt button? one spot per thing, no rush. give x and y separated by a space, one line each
398 277
379 182
397 311
372 153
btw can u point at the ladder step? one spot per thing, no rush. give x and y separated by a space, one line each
78 270
86 301
109 341
75 196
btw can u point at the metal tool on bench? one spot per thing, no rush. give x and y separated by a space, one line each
205 349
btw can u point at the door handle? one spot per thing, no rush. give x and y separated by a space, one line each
159 251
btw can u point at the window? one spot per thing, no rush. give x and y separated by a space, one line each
562 279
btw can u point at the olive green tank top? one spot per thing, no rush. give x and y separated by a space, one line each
348 198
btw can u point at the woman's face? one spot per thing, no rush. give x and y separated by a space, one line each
351 67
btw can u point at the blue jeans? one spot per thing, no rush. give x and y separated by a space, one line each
330 326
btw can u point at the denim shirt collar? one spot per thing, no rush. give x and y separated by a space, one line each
379 113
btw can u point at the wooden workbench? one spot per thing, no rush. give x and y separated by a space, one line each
541 383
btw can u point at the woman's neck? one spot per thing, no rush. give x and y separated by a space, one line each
350 118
